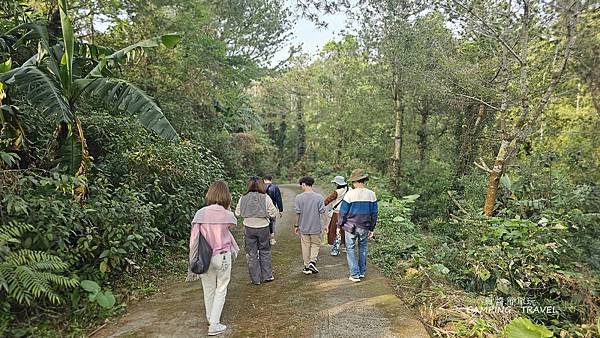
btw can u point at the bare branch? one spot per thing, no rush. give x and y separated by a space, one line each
524 81
570 37
456 203
482 166
525 126
494 34
478 100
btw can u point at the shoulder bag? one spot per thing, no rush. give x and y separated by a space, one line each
202 262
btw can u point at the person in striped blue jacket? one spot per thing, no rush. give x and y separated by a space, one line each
358 217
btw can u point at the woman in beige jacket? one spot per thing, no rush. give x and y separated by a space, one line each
257 209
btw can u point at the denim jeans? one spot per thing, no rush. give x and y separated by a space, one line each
360 235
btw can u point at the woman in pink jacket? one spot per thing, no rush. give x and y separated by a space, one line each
214 222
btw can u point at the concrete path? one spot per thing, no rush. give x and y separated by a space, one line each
294 305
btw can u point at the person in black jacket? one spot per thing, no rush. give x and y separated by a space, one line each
275 194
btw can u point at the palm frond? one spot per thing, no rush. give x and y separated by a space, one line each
6 43
121 95
92 51
134 51
43 91
45 52
69 41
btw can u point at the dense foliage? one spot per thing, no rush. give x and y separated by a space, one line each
109 140
469 275
116 116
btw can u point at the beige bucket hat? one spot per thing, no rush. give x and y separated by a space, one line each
358 174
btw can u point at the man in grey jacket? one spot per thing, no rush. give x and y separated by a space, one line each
309 207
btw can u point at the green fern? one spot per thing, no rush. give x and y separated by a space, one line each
25 274
13 230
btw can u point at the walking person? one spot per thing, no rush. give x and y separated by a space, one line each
334 200
257 208
309 207
214 222
358 217
275 194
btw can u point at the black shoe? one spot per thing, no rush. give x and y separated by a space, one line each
312 266
307 271
270 279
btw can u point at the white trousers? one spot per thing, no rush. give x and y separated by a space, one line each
214 285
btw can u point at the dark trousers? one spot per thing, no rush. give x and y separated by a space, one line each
258 253
272 225
332 228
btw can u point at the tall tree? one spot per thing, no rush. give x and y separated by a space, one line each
514 41
408 44
297 102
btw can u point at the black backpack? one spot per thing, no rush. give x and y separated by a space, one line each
202 262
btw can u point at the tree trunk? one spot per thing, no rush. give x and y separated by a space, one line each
422 135
92 29
280 141
523 78
459 135
494 179
524 127
504 152
339 146
397 158
468 130
301 147
270 126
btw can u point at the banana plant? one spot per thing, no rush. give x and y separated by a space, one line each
51 84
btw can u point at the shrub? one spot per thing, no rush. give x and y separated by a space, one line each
173 176
431 181
114 223
395 232
492 257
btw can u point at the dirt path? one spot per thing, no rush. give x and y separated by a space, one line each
294 305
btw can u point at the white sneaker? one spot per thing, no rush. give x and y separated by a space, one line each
354 279
361 276
273 241
216 329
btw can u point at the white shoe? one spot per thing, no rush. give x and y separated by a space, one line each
354 279
273 241
216 329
